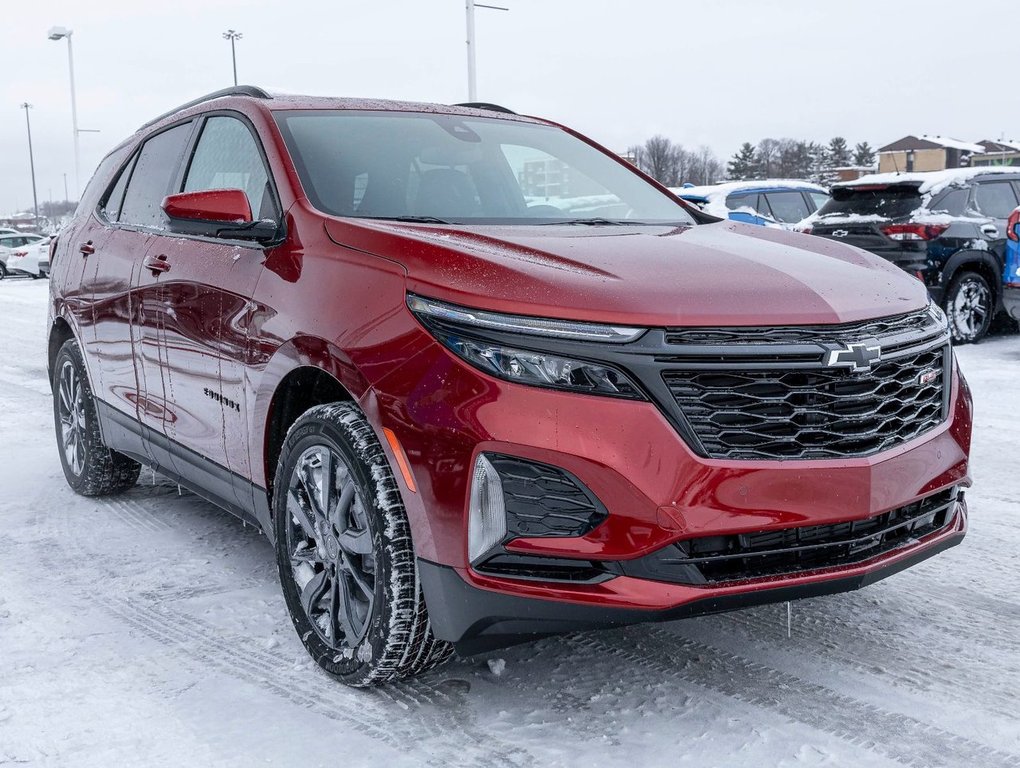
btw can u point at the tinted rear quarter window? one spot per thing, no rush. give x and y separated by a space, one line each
891 202
111 206
153 174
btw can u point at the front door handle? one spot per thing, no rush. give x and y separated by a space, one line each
87 249
156 264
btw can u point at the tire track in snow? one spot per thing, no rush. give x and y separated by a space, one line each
899 737
411 712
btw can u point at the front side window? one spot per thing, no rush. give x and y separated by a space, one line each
404 165
227 157
152 177
787 207
995 199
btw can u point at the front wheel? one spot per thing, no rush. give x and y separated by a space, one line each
344 553
969 306
90 468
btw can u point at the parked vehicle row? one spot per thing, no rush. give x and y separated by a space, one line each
470 411
24 253
773 202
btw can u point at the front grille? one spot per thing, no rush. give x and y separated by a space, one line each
770 393
806 414
715 559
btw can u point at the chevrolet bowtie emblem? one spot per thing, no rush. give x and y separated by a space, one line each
857 357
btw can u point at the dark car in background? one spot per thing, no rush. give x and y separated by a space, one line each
947 228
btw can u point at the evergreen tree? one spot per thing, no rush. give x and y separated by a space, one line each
817 156
864 154
744 164
838 153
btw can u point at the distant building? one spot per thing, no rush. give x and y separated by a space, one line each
927 153
554 178
850 172
998 153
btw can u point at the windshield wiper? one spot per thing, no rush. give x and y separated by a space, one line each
417 219
589 222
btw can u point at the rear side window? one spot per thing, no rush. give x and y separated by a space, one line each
953 202
152 177
227 157
995 199
891 202
818 198
787 207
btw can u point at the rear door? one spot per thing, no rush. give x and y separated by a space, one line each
125 338
204 312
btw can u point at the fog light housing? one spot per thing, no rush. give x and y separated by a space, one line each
486 510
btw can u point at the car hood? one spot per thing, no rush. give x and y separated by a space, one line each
724 273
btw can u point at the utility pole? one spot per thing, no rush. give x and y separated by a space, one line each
232 36
31 160
469 9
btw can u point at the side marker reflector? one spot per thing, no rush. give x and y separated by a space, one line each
401 457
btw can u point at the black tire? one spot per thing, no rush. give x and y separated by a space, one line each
970 305
3 270
352 569
90 467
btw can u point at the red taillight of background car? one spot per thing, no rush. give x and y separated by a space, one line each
805 231
1012 225
19 254
915 232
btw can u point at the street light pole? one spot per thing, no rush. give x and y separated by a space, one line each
469 8
31 160
233 35
59 33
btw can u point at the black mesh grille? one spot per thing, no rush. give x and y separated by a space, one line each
790 550
811 413
542 500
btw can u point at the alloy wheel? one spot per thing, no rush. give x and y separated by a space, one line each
71 412
330 544
970 307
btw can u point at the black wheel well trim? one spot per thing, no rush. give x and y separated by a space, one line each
982 262
60 332
299 390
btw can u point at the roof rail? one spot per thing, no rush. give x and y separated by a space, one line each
486 105
238 90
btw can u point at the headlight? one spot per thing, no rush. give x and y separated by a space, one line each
541 369
936 311
524 366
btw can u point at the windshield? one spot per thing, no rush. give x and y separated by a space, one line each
453 169
880 200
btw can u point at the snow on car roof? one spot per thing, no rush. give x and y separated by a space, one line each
929 181
717 191
951 143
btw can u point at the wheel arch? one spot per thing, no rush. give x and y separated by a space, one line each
60 332
982 262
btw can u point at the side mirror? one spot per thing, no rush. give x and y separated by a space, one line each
223 213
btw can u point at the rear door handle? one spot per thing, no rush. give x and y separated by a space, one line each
87 249
156 264
991 230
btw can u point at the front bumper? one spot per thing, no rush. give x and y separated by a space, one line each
478 618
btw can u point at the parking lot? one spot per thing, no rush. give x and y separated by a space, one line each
150 629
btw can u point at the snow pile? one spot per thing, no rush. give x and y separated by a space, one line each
929 182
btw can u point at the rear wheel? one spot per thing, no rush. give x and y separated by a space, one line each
969 306
3 271
344 553
90 468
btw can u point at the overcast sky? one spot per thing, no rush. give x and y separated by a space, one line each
715 72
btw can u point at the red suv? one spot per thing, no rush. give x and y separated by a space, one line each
480 380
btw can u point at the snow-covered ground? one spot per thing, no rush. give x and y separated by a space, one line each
149 630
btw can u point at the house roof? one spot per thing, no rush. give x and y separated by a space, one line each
931 142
